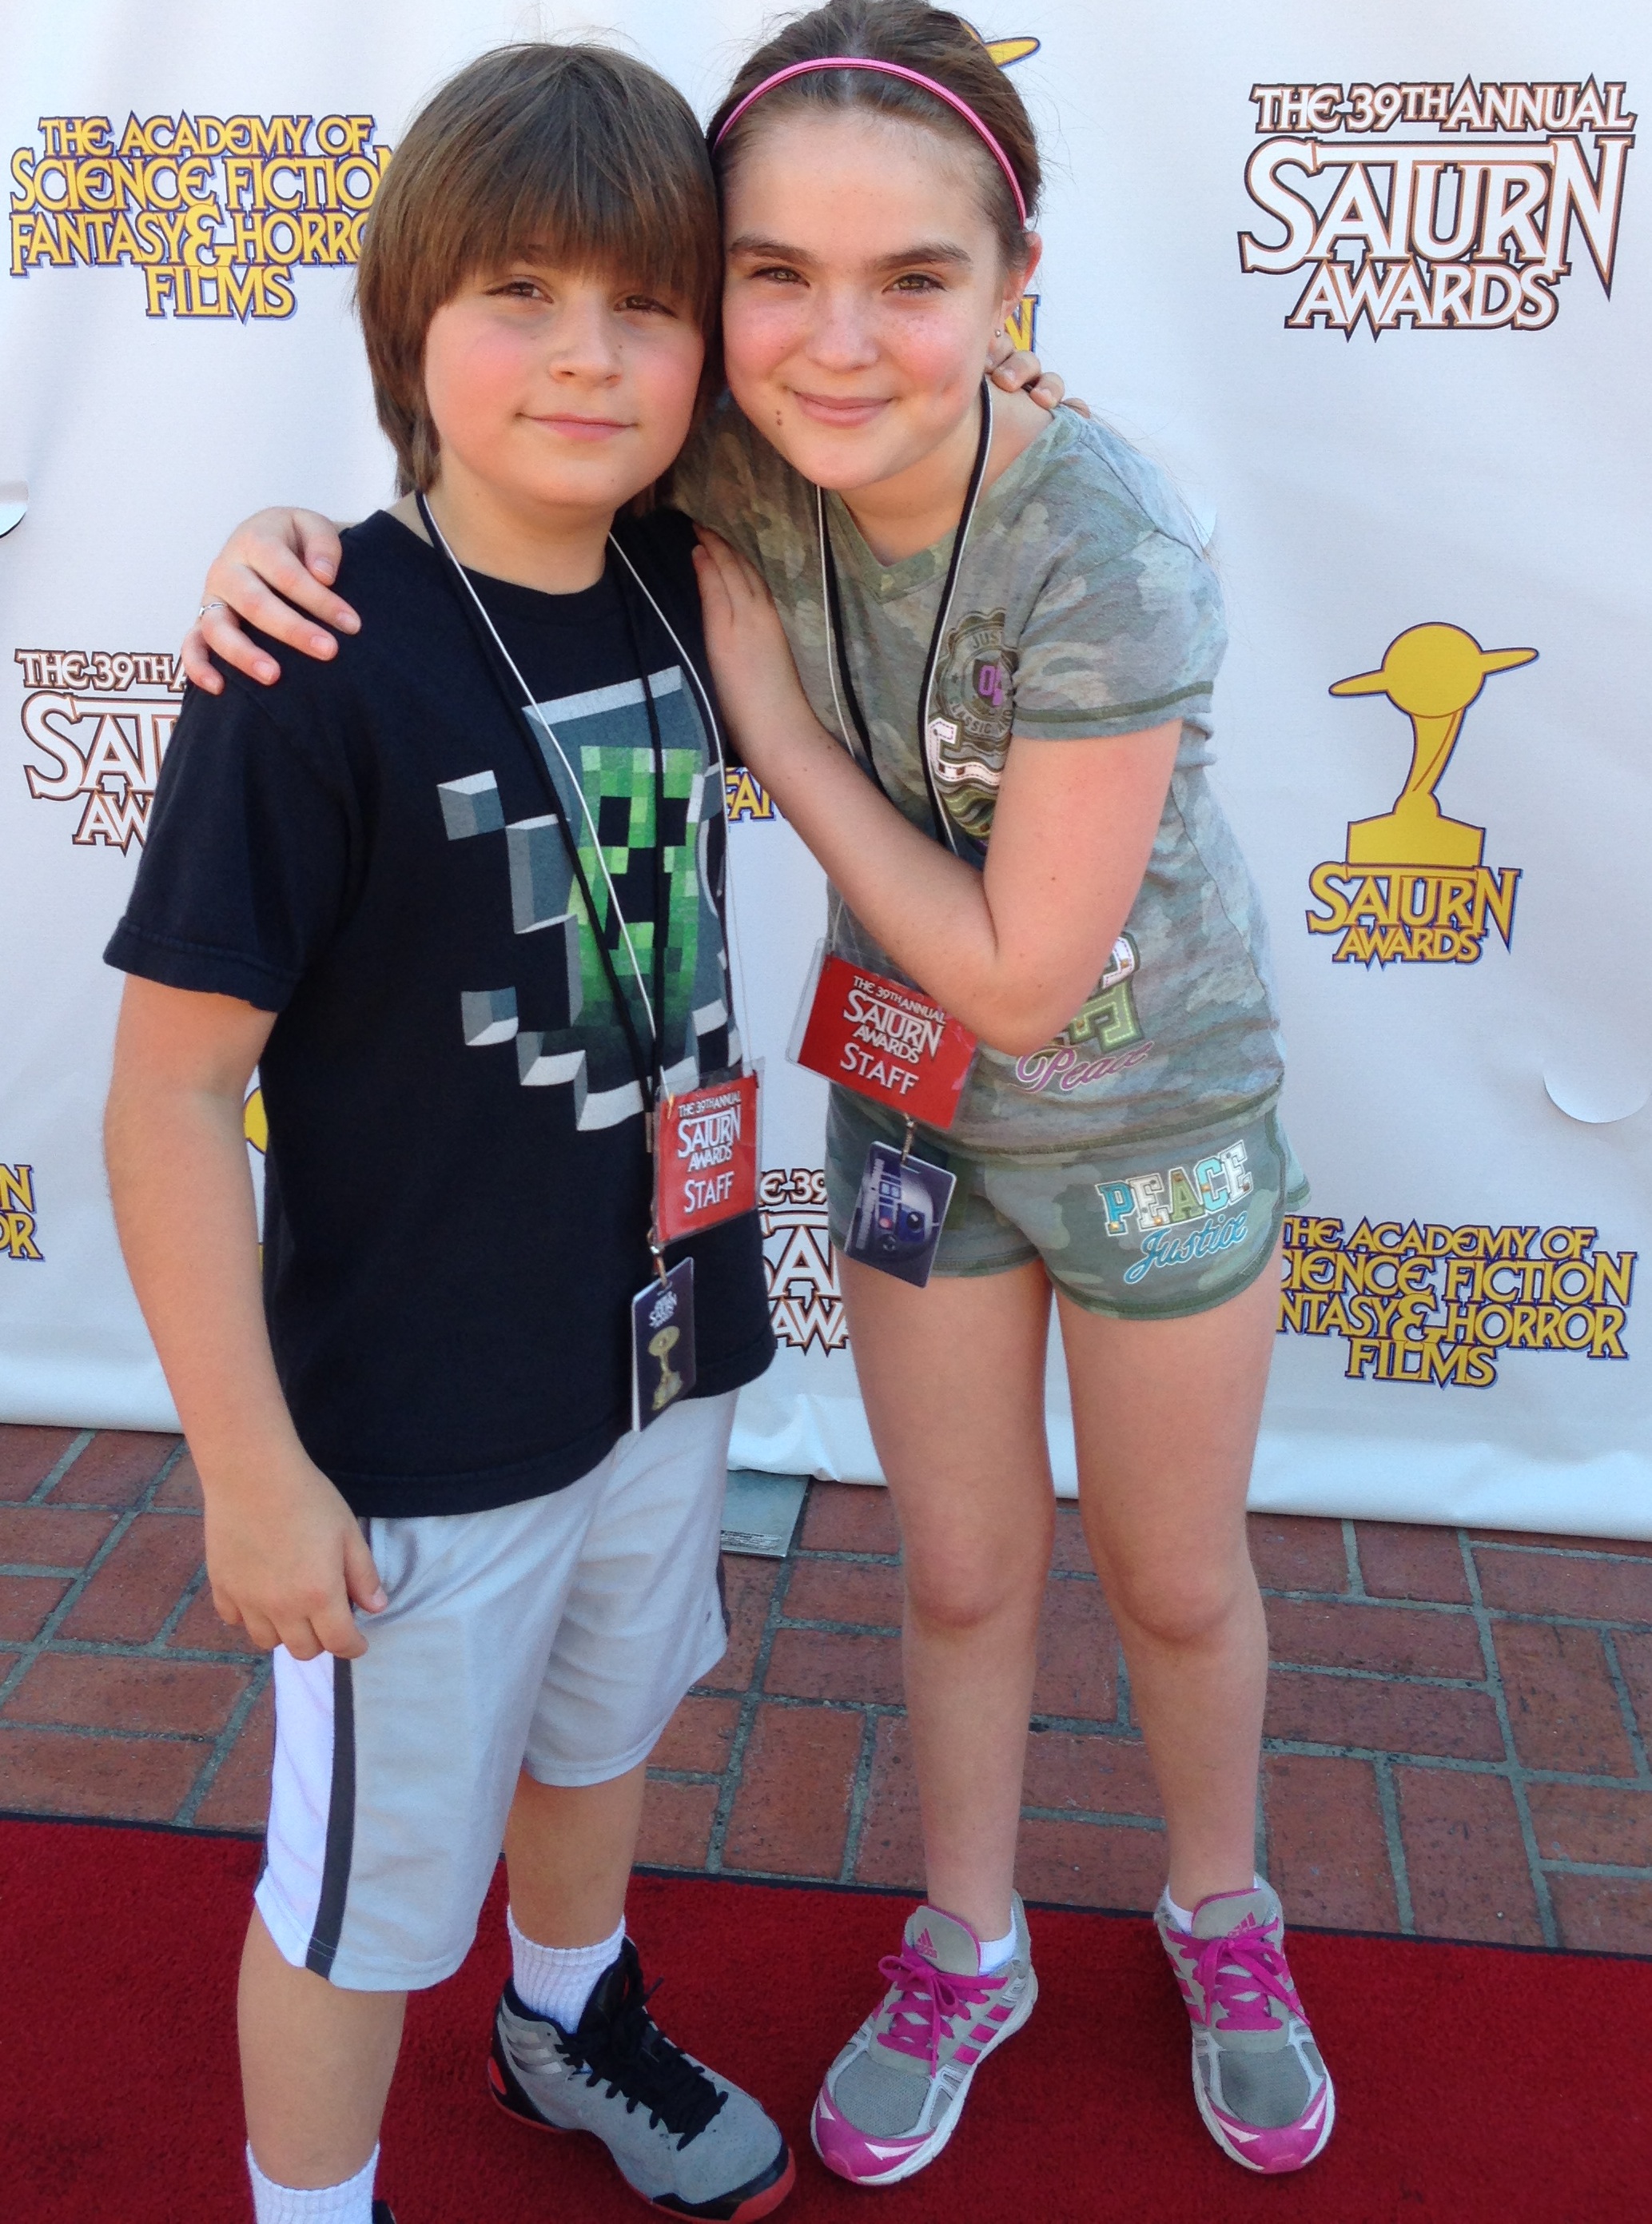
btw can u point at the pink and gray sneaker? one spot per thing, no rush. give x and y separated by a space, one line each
893 2098
1264 2094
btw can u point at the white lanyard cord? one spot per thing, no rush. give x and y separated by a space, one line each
712 729
534 712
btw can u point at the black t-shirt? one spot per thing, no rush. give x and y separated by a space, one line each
457 1182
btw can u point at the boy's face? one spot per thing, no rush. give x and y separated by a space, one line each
560 390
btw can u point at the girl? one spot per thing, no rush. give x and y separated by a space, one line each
971 648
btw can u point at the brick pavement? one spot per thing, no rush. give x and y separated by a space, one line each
1456 1734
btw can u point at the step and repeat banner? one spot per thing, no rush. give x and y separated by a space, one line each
1376 297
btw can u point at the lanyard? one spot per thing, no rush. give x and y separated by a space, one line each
837 651
649 1070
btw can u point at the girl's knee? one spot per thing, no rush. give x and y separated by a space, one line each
960 1593
1184 1607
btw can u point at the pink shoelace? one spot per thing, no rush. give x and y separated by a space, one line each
928 2001
1239 1974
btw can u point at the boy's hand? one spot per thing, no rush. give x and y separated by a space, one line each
1019 371
750 658
286 1557
295 551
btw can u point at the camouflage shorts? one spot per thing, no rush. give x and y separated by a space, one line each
1174 1227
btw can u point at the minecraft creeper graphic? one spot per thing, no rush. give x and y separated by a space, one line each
604 737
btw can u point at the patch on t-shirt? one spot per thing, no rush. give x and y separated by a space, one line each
974 708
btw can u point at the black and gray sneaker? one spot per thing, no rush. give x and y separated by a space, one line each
689 2141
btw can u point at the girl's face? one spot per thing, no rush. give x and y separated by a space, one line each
863 289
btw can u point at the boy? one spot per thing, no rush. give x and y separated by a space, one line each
467 948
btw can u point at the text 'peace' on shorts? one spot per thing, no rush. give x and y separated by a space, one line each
559 1635
1172 1227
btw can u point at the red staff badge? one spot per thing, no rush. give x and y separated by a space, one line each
883 1040
705 1158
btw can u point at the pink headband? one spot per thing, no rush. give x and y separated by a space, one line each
887 69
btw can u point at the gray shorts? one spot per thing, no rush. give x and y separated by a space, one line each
557 1636
1170 1228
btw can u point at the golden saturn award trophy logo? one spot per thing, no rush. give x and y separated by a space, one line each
1413 885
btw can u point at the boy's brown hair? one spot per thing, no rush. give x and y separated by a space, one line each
579 152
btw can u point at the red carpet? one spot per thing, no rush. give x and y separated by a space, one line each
1474 2082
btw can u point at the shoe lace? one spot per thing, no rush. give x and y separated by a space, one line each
927 2002
1239 1974
639 2064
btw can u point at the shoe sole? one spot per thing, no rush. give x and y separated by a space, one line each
763 2202
1213 2124
921 2157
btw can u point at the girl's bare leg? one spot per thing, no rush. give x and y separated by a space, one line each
953 1379
1166 1415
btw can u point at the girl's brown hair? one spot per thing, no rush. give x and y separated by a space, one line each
931 40
578 152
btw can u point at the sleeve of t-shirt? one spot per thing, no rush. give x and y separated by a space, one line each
246 861
1121 643
715 477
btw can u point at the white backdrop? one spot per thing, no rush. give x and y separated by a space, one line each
1230 191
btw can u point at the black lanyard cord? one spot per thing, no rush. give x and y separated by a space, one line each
662 879
717 823
837 641
841 662
646 1070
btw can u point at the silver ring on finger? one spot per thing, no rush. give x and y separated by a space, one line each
213 605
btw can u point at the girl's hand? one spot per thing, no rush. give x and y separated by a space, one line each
295 551
757 681
1017 370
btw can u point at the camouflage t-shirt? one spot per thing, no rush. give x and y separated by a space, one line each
1084 607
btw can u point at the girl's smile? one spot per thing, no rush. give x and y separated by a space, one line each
845 412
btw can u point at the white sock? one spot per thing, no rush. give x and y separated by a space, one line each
1180 1916
557 1980
995 1952
348 2203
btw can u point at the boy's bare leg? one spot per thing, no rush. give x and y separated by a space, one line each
317 2060
569 1850
316 2063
